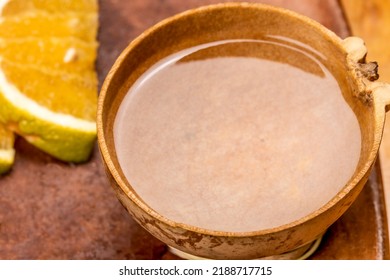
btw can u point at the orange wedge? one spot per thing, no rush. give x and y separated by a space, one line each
67 54
42 24
14 7
48 82
54 111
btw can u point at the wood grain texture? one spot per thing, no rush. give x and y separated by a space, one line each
53 210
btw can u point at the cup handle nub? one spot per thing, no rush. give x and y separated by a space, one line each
381 91
366 74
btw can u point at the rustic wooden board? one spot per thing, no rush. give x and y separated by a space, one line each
54 210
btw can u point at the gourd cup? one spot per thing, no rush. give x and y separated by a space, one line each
344 58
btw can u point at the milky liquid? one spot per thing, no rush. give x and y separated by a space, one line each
237 143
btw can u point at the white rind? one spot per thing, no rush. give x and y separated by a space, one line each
15 97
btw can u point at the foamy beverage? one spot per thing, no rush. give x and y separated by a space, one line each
237 135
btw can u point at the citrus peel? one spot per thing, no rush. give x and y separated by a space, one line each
7 153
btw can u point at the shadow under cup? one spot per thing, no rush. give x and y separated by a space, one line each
240 24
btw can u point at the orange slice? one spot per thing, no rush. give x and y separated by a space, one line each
67 54
14 7
48 82
54 111
41 24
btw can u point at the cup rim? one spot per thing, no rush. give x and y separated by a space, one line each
121 182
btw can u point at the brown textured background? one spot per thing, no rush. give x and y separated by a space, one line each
54 210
